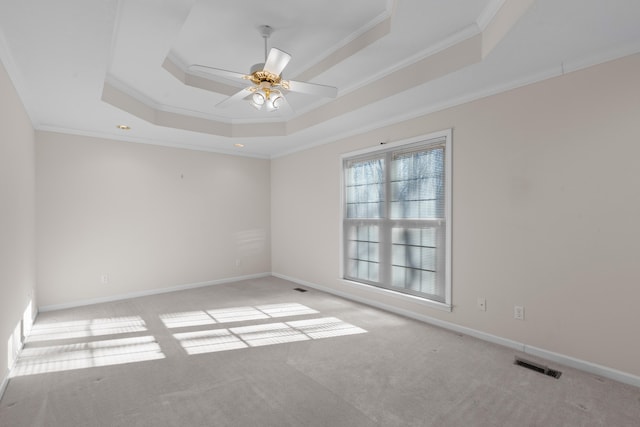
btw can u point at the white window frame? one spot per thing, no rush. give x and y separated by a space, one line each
447 135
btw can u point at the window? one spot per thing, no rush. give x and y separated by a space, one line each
396 224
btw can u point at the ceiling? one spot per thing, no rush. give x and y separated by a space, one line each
86 66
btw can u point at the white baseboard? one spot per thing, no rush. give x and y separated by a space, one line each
569 361
5 380
149 292
4 383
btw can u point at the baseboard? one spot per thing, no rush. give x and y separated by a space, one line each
157 291
569 361
583 365
4 383
7 376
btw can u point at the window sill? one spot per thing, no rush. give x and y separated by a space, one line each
399 295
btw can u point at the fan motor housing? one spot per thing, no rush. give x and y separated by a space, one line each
260 76
256 67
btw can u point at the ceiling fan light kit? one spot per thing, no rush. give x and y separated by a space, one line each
267 97
268 89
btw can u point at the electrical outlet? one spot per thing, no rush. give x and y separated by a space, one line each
482 304
518 312
238 263
104 279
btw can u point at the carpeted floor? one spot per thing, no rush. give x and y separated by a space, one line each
259 353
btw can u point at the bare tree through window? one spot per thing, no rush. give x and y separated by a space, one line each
395 219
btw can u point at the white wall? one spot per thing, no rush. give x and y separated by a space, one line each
149 217
546 204
17 225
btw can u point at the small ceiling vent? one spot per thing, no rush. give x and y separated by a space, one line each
537 367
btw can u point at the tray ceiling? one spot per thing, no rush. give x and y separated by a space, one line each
86 66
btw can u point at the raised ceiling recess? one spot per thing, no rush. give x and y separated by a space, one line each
85 67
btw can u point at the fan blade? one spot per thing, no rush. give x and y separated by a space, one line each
237 79
235 97
312 89
276 61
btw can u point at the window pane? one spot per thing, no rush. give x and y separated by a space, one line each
373 252
414 259
428 283
417 184
428 259
428 236
406 278
352 249
352 268
399 254
363 270
364 188
362 252
373 272
398 277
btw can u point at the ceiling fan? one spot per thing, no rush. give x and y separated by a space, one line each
267 88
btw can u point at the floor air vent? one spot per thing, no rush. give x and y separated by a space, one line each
299 289
537 367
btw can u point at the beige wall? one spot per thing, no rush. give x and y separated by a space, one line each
148 217
546 203
17 226
545 214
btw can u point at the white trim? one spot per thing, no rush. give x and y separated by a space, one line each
340 221
486 92
13 71
149 292
23 338
5 380
155 105
146 141
582 365
4 384
398 295
380 19
390 146
628 49
489 12
448 210
442 45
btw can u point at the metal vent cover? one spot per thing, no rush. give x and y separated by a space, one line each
537 367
